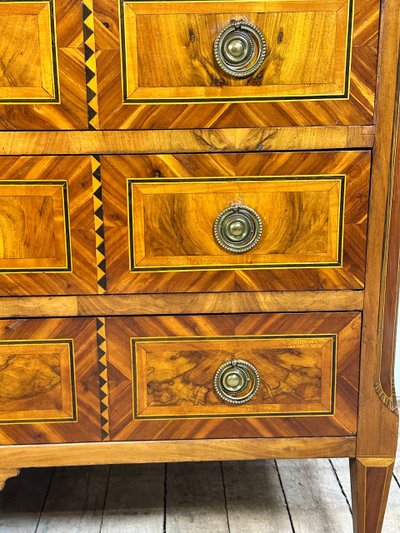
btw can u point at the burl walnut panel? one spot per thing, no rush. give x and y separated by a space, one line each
174 376
42 74
49 385
320 66
160 210
47 234
161 372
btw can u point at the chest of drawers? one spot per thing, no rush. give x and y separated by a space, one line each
199 234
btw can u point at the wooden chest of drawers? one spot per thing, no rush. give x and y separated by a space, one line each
199 234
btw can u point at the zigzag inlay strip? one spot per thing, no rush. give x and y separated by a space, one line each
99 225
90 64
103 378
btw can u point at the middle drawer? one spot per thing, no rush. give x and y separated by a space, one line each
212 222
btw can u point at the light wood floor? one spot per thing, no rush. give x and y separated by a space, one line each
309 496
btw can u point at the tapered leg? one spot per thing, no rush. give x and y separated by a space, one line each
7 473
370 483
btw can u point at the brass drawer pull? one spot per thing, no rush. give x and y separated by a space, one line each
238 228
240 49
236 381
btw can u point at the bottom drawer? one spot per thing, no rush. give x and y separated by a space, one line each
49 381
231 376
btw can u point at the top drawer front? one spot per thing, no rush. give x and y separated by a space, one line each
42 74
320 56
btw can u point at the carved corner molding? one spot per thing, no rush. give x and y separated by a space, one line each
389 401
390 273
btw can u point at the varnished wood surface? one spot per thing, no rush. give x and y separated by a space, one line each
304 57
179 141
180 303
49 381
194 236
370 478
174 451
187 43
172 224
378 423
47 234
42 87
126 397
174 378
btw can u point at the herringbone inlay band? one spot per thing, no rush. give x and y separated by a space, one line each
90 64
99 225
101 348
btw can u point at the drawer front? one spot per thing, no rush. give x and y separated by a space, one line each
236 222
233 375
253 63
47 226
49 386
42 82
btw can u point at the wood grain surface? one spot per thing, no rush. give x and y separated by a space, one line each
26 456
47 235
174 229
49 381
211 417
370 484
378 419
43 82
178 64
172 224
304 56
173 378
181 141
180 303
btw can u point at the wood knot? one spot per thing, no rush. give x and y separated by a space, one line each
157 173
280 36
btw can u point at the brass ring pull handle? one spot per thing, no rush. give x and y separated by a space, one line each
240 49
236 381
238 228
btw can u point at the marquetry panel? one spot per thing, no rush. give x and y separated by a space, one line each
161 372
160 211
320 66
48 381
42 74
47 233
190 208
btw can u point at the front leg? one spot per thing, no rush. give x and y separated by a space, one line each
370 483
7 473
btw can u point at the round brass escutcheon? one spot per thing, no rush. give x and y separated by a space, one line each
240 49
236 381
238 228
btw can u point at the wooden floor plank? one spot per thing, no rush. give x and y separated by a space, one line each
391 522
195 499
135 499
75 500
22 500
255 501
314 498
